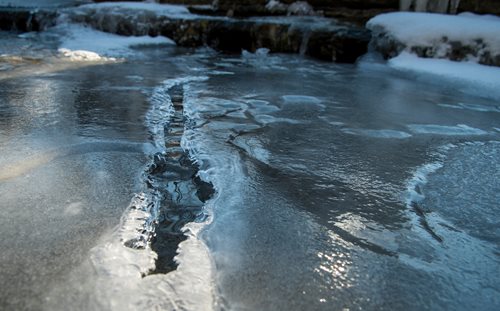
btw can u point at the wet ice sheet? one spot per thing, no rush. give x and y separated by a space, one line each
311 175
320 219
74 144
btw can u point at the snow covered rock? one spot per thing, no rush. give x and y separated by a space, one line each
317 37
465 37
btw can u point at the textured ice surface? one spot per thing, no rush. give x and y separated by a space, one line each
305 216
453 202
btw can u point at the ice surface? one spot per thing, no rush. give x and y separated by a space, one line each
84 44
459 129
447 200
122 280
427 28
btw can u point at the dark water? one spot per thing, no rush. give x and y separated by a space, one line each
338 187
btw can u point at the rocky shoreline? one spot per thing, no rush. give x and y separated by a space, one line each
320 37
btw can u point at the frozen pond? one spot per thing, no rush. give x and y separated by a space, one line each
337 186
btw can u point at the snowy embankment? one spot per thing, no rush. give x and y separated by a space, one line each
80 43
464 47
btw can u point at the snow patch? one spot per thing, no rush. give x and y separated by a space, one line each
85 44
479 75
426 28
170 10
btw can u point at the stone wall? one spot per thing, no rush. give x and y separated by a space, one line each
452 6
358 11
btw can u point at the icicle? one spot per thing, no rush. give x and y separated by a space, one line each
437 6
405 5
454 6
421 5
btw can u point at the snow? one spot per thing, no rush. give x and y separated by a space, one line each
438 37
170 10
415 29
472 73
274 5
85 44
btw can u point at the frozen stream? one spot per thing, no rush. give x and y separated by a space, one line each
338 187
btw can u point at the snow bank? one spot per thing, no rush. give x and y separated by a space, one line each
476 75
463 37
158 9
427 28
84 44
